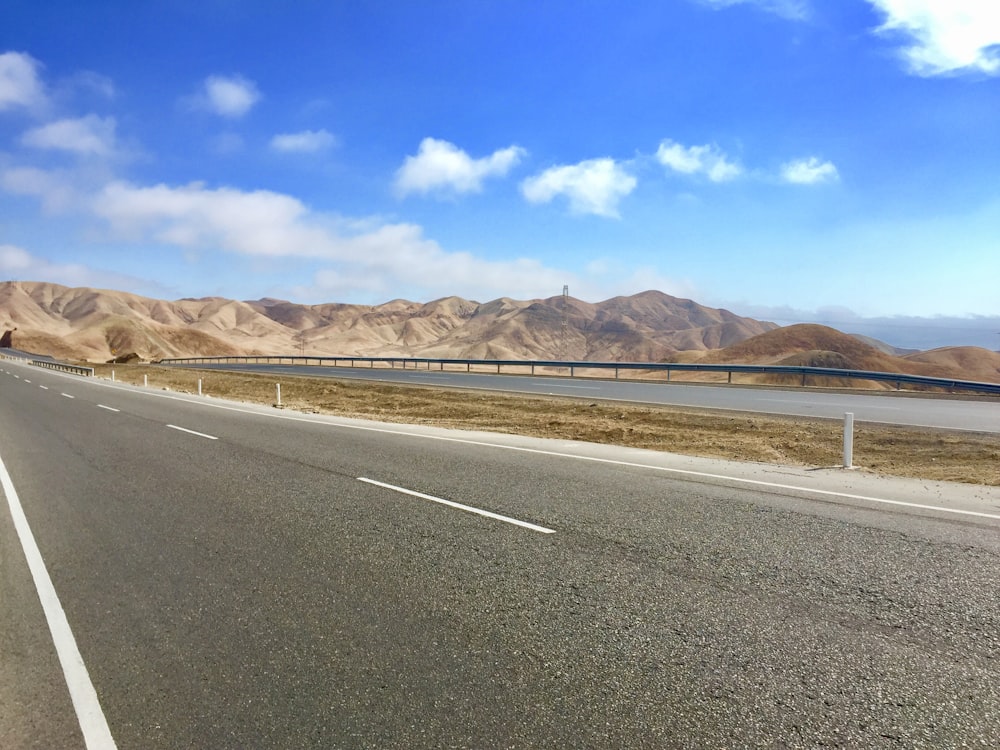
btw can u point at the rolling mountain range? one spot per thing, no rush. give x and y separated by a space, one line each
98 325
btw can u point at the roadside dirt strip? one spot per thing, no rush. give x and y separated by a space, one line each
910 452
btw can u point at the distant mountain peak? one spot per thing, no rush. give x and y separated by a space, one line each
651 325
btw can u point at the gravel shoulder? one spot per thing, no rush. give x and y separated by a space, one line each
897 451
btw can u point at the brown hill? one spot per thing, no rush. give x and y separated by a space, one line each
974 362
99 324
809 345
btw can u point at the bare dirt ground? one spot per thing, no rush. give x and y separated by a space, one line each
900 451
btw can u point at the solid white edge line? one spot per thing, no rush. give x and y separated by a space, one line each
192 432
93 724
738 480
459 506
593 459
108 408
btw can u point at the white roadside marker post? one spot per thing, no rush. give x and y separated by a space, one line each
279 393
145 381
848 440
199 386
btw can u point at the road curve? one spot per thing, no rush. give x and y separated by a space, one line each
237 576
976 415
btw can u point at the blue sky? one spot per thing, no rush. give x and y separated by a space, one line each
793 160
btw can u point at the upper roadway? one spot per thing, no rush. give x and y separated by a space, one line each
978 414
233 576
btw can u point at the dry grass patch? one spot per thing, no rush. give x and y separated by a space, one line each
900 451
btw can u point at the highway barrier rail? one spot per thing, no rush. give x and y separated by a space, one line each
62 367
804 373
49 364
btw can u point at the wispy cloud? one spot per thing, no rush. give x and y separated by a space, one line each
945 36
443 166
55 190
227 144
809 171
17 263
20 83
595 186
796 10
226 96
354 256
708 160
13 260
304 142
86 136
91 82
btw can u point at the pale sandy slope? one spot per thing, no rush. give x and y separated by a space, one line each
98 324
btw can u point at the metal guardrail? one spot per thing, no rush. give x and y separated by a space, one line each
49 364
75 369
667 367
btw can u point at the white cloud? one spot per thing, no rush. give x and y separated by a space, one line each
227 96
253 223
87 136
440 165
946 36
797 10
54 189
305 142
20 85
810 171
17 263
708 160
14 260
594 186
358 255
610 277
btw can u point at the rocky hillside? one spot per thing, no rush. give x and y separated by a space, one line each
808 345
99 324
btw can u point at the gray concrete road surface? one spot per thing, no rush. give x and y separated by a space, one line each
978 414
239 576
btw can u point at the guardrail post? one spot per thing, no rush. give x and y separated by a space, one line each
730 379
848 440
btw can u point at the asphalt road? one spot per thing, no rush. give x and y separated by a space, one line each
238 577
978 415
